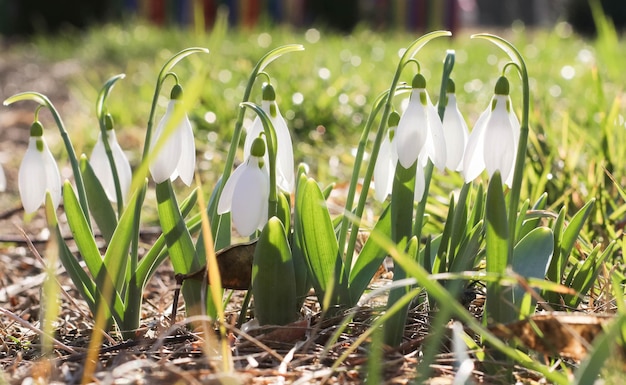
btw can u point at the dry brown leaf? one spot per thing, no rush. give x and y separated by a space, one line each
566 334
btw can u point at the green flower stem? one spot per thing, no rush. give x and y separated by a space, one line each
387 99
78 178
234 143
102 118
514 198
167 67
270 140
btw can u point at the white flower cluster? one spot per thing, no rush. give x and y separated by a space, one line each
420 135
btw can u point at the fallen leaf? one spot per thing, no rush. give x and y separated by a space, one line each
565 334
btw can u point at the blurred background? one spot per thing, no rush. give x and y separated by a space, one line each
23 17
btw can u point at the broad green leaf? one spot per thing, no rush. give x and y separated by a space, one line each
157 254
478 207
369 259
497 238
441 261
99 206
531 259
303 280
318 239
82 232
402 198
568 240
284 210
116 256
180 246
273 277
83 282
520 231
468 250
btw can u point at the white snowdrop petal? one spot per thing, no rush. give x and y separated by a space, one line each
32 178
383 171
455 133
284 154
187 161
122 166
420 184
225 202
166 161
435 138
411 131
473 158
100 164
248 201
499 149
53 177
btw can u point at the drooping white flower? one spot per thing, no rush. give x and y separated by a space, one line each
177 157
492 144
455 131
102 168
420 131
246 192
385 166
38 173
285 176
386 163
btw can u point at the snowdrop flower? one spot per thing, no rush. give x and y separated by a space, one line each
285 177
246 192
177 157
102 168
455 130
385 167
492 144
420 131
38 173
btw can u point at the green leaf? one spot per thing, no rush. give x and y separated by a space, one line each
585 276
318 240
369 260
303 279
567 242
99 206
180 246
83 282
116 256
531 259
497 238
273 277
82 232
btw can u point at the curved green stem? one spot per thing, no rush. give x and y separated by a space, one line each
78 178
270 140
162 76
101 114
517 58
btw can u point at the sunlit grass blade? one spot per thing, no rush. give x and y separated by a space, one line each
583 276
567 242
273 277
